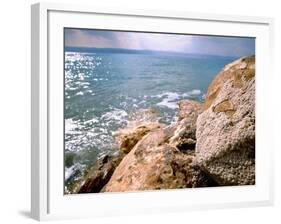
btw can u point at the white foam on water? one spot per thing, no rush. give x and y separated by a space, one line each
203 96
82 140
70 125
93 133
195 92
79 94
93 120
116 114
71 88
81 76
170 100
68 172
82 83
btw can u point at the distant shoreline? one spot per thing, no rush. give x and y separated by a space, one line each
135 51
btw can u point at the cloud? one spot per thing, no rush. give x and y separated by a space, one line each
235 46
85 38
217 45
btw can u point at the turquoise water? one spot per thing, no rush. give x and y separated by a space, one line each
104 90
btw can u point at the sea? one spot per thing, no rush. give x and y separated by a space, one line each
104 90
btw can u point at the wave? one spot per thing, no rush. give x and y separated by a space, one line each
94 137
69 171
116 114
80 93
70 126
194 92
171 99
96 132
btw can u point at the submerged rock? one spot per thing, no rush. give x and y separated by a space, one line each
225 147
128 137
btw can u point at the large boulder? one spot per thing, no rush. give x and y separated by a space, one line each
225 133
128 137
152 164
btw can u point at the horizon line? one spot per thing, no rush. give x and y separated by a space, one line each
140 50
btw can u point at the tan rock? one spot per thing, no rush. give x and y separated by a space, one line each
184 137
98 175
189 109
128 137
236 71
225 133
162 167
152 164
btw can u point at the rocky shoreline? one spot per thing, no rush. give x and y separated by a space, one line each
211 144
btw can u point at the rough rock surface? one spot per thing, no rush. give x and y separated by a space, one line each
128 137
163 159
152 164
99 174
184 137
189 109
225 147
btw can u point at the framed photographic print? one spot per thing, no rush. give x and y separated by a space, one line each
145 112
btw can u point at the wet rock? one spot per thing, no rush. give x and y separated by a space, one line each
99 174
225 133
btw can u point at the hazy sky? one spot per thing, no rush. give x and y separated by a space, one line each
227 46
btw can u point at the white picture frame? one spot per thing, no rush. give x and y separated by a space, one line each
48 201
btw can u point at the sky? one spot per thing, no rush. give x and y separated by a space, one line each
192 44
